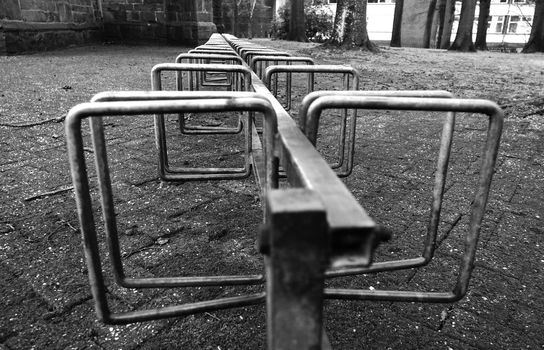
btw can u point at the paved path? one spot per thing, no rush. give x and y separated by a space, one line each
209 228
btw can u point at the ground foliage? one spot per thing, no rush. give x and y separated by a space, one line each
210 227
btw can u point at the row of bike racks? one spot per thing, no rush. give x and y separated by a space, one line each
314 228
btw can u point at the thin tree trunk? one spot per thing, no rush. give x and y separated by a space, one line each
463 40
235 19
338 29
218 16
297 28
250 24
429 24
449 16
397 24
434 40
481 35
441 16
536 40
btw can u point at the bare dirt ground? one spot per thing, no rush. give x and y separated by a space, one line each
210 227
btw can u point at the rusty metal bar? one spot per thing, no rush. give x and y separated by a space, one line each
295 304
489 156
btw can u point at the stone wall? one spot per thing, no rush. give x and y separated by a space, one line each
35 25
32 25
187 21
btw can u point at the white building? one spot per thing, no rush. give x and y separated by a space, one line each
509 21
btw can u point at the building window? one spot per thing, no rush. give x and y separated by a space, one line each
513 25
500 22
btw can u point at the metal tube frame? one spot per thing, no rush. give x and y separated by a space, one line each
267 59
347 132
204 80
311 128
95 111
238 72
168 173
233 82
214 51
489 157
332 228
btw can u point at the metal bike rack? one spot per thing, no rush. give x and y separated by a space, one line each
495 115
203 79
213 47
312 231
149 105
248 54
310 128
214 51
237 71
341 158
259 63
168 173
235 82
349 143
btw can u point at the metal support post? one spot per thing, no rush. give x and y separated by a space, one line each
297 243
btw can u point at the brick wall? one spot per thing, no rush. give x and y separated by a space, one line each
32 25
187 21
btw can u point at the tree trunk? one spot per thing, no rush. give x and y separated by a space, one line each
449 16
429 24
536 40
337 36
250 24
397 24
481 35
297 28
441 16
463 40
438 23
235 19
218 16
349 30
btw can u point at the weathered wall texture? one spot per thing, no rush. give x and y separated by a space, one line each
187 21
34 25
30 25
